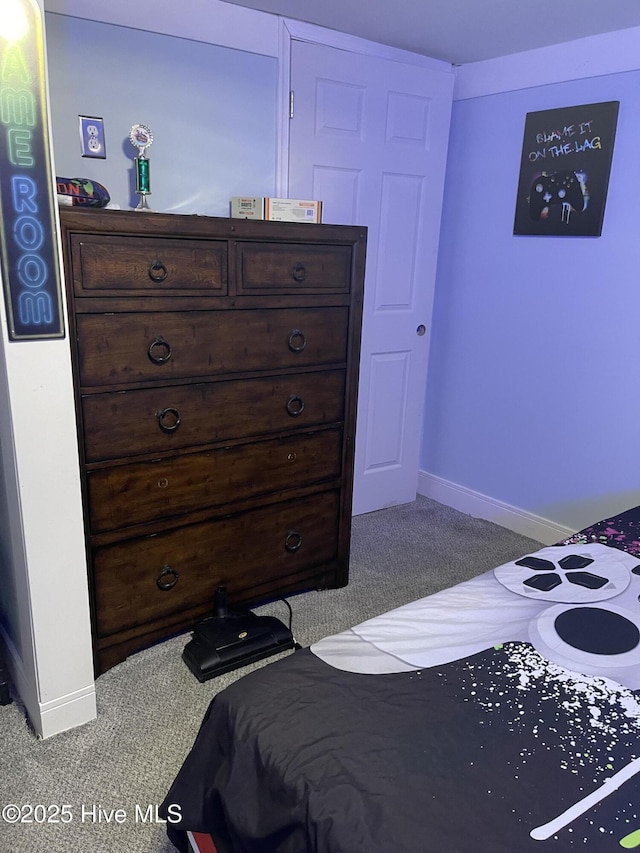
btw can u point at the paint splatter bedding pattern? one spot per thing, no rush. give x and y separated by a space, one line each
501 715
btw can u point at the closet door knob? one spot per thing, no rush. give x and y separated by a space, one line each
159 351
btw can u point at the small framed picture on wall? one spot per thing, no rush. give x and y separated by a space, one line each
564 170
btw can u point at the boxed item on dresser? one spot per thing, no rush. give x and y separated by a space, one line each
276 209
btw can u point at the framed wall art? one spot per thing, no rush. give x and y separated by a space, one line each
564 170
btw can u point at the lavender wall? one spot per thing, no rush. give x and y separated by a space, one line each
212 111
533 396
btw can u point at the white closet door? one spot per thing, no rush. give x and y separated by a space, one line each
369 138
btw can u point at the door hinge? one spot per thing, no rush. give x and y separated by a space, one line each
291 104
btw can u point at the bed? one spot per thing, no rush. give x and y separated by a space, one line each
497 716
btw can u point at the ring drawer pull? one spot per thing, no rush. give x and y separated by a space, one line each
291 457
172 578
293 541
158 272
169 419
297 341
295 405
160 351
299 272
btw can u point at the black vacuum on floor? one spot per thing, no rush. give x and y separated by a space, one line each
230 639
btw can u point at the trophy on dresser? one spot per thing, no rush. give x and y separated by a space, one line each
141 138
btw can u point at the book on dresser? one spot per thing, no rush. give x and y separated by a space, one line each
215 366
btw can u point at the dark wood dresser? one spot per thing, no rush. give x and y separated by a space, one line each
216 369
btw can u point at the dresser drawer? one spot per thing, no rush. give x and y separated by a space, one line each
165 488
293 268
104 264
116 349
157 420
151 578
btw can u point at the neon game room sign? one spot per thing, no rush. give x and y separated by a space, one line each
30 265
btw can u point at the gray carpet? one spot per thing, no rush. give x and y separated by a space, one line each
150 706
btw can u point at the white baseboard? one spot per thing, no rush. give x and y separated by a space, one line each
68 712
59 714
482 506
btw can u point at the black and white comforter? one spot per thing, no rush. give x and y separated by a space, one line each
501 715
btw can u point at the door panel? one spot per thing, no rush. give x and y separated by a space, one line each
388 389
369 138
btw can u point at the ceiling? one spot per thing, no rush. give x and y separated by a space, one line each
461 31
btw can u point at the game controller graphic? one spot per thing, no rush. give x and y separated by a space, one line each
593 625
578 605
581 573
564 189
